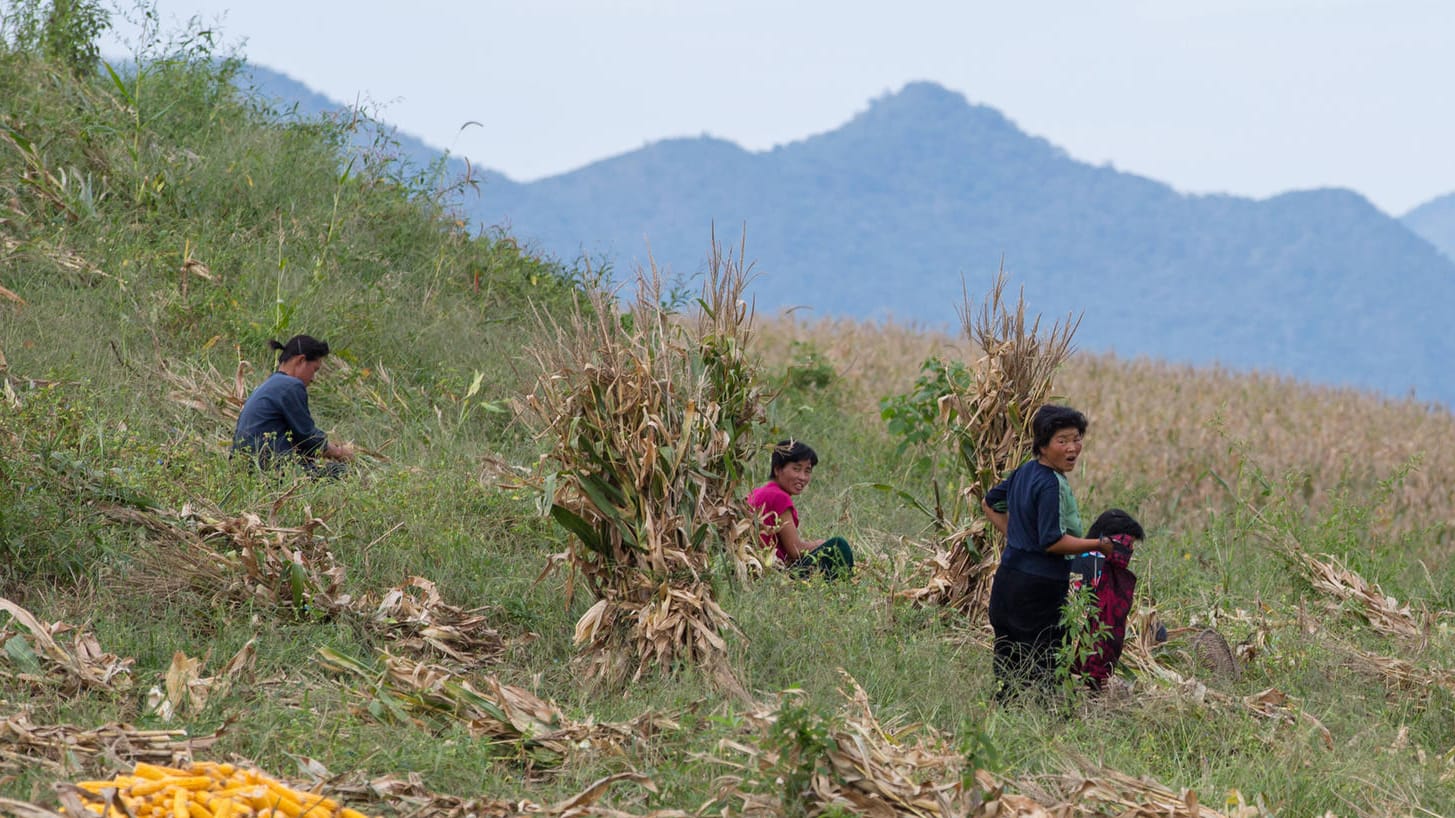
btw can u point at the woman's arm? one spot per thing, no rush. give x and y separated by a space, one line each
999 519
793 545
1079 545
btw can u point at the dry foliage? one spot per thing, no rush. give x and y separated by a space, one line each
504 715
242 558
409 798
46 661
63 748
185 690
649 422
867 767
1404 676
988 427
205 390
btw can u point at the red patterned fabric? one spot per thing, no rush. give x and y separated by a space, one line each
1114 590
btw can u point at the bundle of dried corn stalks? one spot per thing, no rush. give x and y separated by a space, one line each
242 558
44 660
650 423
501 714
988 429
63 748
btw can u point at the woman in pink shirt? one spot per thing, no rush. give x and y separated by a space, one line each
792 470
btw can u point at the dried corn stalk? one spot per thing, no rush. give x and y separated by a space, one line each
501 714
649 422
244 559
857 764
1327 574
408 796
44 659
887 770
62 747
1405 676
206 390
988 428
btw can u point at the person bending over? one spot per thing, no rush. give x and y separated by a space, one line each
792 470
275 426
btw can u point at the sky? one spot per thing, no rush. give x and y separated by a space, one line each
1247 97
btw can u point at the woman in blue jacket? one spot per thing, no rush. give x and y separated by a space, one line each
275 426
1037 513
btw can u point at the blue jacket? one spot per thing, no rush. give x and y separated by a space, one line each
276 421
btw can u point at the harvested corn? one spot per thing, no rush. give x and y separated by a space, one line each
207 789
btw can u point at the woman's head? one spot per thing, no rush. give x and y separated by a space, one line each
793 464
300 357
309 347
1114 521
1051 419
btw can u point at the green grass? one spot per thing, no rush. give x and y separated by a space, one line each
297 239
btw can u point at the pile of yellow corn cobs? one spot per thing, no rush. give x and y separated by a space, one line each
209 790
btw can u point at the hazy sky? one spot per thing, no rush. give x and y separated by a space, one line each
1252 97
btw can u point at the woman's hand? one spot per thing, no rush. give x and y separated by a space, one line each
339 451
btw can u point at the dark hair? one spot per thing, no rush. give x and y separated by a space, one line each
791 451
306 345
1051 419
1115 521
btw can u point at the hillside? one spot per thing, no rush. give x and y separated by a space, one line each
1435 222
415 640
886 215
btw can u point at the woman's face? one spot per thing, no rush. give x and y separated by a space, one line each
794 477
1063 450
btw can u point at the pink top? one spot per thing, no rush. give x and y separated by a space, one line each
772 502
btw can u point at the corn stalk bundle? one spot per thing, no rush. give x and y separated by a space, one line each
534 729
44 659
649 423
60 748
987 426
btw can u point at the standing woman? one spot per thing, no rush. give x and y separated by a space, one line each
275 425
1035 510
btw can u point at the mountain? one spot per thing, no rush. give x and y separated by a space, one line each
920 197
888 214
1435 222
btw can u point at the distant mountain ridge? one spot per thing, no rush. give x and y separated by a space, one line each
1435 221
922 193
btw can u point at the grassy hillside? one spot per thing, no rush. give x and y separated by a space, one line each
157 230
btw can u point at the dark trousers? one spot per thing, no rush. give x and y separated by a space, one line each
834 558
1025 612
